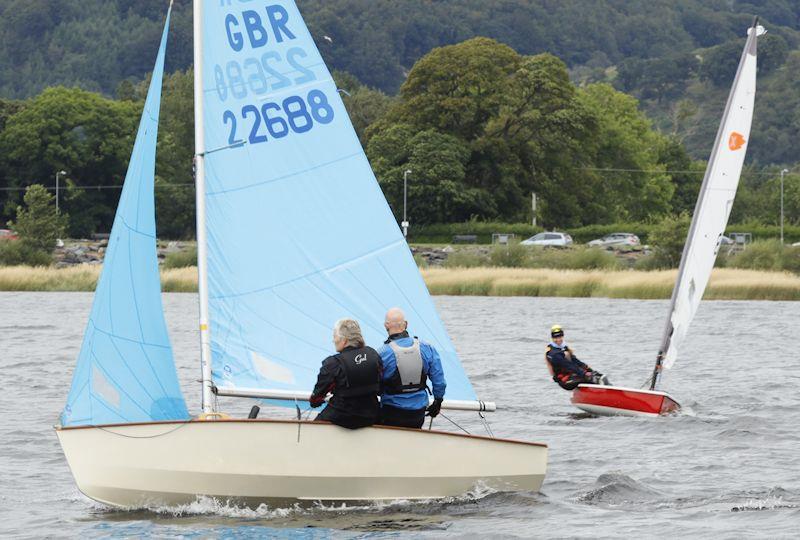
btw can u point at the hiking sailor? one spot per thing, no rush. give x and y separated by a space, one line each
353 376
408 363
565 367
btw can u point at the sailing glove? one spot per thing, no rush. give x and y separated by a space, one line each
435 407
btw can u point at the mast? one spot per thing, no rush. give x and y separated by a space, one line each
668 328
200 189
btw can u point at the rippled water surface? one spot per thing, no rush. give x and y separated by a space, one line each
728 467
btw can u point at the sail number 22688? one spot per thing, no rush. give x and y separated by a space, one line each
277 120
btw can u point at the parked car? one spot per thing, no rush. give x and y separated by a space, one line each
725 241
616 239
6 234
548 239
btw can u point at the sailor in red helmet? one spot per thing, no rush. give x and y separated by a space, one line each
565 367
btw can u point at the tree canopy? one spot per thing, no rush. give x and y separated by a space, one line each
485 127
664 53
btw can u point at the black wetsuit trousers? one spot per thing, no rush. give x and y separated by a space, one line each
344 419
409 418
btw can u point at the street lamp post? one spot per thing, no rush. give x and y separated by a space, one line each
58 175
784 171
405 203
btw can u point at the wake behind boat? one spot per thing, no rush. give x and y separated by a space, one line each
709 220
293 234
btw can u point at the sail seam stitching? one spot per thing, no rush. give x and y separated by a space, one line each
284 177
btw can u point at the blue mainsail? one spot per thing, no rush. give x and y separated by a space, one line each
299 232
125 371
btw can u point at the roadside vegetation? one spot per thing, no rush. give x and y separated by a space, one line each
443 233
519 256
181 259
38 226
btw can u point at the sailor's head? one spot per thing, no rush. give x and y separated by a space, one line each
557 334
347 333
395 322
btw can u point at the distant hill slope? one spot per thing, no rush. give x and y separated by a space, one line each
96 44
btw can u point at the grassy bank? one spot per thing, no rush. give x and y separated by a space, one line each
82 278
726 283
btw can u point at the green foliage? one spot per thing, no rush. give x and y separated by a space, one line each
443 233
19 253
766 255
592 259
175 194
687 175
719 63
364 105
181 259
649 49
511 256
692 111
480 124
482 127
659 78
88 136
791 259
772 53
93 44
668 238
420 261
37 224
466 259
650 262
96 44
625 141
518 256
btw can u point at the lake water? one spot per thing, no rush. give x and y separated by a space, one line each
726 468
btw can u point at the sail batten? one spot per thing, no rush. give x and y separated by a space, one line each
125 370
299 232
714 205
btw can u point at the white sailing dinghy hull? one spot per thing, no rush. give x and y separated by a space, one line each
255 461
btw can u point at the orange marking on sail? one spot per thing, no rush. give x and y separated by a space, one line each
736 141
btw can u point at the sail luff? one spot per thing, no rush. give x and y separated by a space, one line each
666 354
200 197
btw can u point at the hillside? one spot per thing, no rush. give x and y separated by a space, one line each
677 56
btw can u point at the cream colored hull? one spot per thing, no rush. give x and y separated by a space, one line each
255 461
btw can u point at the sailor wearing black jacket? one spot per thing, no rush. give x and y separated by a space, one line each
353 376
565 367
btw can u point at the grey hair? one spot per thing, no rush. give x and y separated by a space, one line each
349 330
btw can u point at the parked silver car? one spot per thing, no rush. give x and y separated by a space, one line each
616 239
549 239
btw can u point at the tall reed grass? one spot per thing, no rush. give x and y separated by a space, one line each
726 283
82 278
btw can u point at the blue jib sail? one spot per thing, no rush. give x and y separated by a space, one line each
125 371
299 232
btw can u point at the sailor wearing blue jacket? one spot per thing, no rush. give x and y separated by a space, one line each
408 364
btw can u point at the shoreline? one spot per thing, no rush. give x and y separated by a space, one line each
726 283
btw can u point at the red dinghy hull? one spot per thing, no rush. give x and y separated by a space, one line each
616 400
